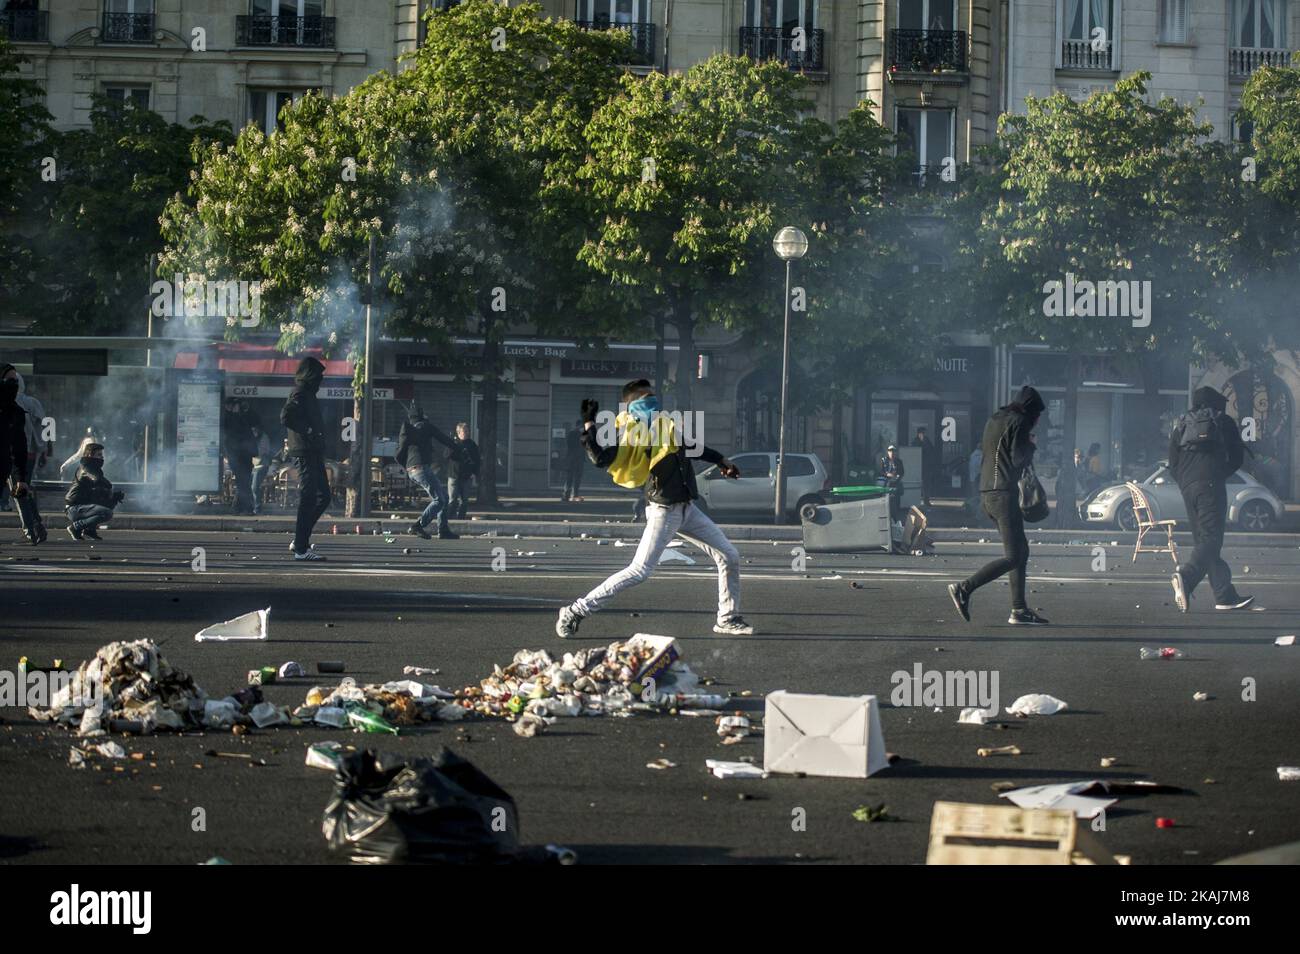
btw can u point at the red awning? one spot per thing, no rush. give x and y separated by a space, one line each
239 358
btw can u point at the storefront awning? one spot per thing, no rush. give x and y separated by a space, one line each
238 358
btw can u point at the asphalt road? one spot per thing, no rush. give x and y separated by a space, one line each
585 783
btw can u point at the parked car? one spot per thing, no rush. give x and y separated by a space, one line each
754 492
1251 505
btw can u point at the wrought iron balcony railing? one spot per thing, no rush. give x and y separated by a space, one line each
127 28
804 52
25 26
927 51
1242 61
1079 55
643 37
266 30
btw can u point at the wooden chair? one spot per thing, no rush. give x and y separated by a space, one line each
1146 523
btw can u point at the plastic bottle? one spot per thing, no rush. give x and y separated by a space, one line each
1166 652
362 718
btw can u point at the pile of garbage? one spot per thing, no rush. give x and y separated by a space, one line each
125 687
642 674
378 707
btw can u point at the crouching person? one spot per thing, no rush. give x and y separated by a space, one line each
91 498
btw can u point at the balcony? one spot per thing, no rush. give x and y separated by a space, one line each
1244 60
643 38
927 51
306 32
127 28
1079 55
776 43
25 26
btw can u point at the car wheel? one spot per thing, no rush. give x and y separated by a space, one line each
812 501
1256 516
1125 519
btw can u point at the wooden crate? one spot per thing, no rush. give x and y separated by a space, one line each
1009 835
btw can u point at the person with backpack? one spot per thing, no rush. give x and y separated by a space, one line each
1008 448
1205 449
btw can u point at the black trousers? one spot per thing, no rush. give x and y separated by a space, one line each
1003 507
1207 511
241 466
313 498
573 479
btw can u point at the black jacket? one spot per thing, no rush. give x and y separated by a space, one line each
90 486
14 462
891 468
672 480
465 459
1190 466
237 435
415 442
1006 444
301 412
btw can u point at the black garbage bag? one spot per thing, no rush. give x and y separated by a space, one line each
387 808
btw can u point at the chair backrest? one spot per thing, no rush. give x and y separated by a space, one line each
1141 506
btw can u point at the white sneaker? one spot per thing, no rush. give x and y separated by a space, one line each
307 555
1245 601
734 626
568 623
1180 591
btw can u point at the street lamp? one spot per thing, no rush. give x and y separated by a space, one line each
789 244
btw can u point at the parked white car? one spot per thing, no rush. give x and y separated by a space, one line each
1251 505
754 491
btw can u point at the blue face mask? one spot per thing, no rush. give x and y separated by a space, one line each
644 408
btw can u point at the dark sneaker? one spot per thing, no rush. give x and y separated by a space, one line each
1026 617
1180 591
734 626
960 599
416 530
92 533
74 532
41 534
567 624
448 535
1241 603
307 555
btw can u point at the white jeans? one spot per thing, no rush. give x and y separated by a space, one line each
661 525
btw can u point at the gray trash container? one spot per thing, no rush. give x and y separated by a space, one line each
855 525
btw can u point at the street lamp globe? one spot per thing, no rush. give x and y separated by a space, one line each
790 243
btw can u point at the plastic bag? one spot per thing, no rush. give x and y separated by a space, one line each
387 808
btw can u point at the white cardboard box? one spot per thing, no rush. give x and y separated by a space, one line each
838 736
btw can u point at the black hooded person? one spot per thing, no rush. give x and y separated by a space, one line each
301 417
415 453
1008 448
91 498
15 464
1205 449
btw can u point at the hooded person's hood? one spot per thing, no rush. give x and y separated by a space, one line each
310 373
415 413
9 390
22 385
1209 398
1031 401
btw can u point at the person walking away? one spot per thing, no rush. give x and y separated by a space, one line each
261 466
1067 491
415 453
91 499
1205 449
891 476
38 451
574 455
649 454
15 463
461 469
929 465
1008 449
306 442
239 443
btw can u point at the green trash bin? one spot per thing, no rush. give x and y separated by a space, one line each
859 492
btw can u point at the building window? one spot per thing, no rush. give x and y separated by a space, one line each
285 23
425 7
22 21
1173 21
935 15
769 33
635 16
1082 48
927 134
127 21
128 95
1243 130
264 106
1257 36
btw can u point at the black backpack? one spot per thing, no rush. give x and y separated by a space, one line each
1202 431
